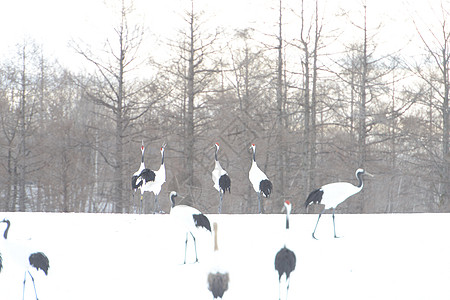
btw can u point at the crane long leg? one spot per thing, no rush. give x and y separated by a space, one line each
185 247
195 247
34 286
279 288
220 201
288 283
157 208
317 223
23 291
334 226
259 202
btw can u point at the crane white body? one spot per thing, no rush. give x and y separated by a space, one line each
333 194
190 219
218 276
155 185
337 192
259 180
216 174
285 259
220 177
134 179
21 257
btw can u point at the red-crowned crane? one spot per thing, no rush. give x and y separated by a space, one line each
22 257
218 277
152 181
191 219
220 177
137 185
285 259
259 180
333 194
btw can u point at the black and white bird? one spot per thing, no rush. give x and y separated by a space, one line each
22 257
259 180
333 194
152 181
222 181
218 277
137 185
191 219
285 259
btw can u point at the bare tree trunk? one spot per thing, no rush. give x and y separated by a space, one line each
22 162
280 184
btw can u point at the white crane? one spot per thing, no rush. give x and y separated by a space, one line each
152 181
333 194
285 259
220 177
218 277
137 185
22 257
190 219
259 180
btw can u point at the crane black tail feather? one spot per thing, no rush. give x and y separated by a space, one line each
225 183
201 220
39 260
314 197
265 186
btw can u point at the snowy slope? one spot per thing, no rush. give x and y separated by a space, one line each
105 256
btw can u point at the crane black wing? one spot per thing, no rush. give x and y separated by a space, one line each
148 175
134 183
314 197
40 261
201 220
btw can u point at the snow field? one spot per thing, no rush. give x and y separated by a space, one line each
106 256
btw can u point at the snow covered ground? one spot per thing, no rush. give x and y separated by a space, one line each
105 256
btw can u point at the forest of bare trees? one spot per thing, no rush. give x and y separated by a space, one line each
70 139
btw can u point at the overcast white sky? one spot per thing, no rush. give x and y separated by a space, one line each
53 23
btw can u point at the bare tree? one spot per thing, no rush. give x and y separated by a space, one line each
113 88
437 46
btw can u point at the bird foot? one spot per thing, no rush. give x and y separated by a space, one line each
314 237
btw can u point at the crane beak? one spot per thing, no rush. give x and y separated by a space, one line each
367 173
283 209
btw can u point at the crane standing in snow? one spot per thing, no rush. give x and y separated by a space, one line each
220 177
152 181
218 278
190 219
259 180
285 259
137 185
333 194
24 258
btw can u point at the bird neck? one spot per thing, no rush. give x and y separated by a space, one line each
254 155
215 154
162 157
172 201
360 180
5 234
287 221
142 157
216 247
